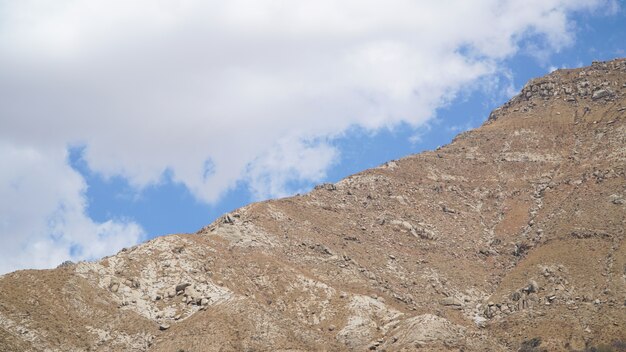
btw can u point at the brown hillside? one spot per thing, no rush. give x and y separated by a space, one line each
510 238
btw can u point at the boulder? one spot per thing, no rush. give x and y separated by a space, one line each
600 93
66 264
326 186
452 302
182 287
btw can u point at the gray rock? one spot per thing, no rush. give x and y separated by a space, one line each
164 327
66 264
616 199
489 312
182 287
447 209
191 292
424 233
601 93
326 186
451 302
515 296
228 219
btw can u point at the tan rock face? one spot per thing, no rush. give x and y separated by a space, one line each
510 237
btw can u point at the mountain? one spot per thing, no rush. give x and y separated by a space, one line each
510 238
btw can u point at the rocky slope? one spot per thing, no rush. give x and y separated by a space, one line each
510 238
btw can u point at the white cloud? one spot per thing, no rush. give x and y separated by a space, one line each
42 219
288 160
221 92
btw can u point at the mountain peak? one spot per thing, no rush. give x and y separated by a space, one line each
598 84
509 238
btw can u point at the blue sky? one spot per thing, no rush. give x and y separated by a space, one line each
170 208
122 122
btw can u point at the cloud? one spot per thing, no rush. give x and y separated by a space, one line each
288 161
42 219
221 92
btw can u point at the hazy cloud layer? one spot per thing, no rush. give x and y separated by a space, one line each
220 92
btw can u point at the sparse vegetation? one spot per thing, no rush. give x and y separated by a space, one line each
615 346
531 345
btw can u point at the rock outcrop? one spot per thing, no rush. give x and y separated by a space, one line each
509 238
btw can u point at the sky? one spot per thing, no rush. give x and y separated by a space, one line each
125 120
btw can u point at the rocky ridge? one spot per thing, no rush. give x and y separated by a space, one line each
509 238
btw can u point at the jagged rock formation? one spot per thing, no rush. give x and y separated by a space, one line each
510 238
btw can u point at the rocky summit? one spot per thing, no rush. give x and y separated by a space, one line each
510 238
